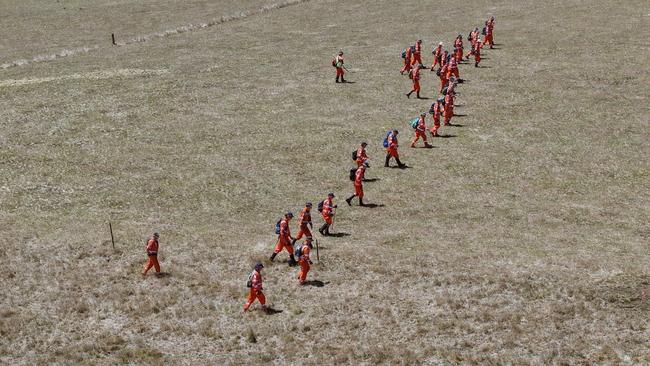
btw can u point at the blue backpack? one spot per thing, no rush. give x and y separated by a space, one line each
386 138
404 54
277 227
414 122
297 250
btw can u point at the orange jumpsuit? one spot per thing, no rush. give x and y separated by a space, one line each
255 291
417 54
473 36
452 68
443 77
284 241
328 211
488 34
152 253
339 70
436 119
358 181
449 108
304 221
415 76
392 146
420 132
458 47
437 57
477 53
407 61
304 263
361 156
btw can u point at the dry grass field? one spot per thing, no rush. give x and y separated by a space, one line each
522 239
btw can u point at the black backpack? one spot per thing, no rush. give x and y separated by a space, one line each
354 155
353 173
320 206
249 283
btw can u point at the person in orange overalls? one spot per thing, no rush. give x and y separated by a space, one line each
452 68
420 131
285 240
437 56
304 261
152 254
338 63
435 114
458 48
415 76
417 53
358 185
473 36
443 76
391 150
328 214
449 108
255 292
477 52
304 220
362 157
407 62
489 28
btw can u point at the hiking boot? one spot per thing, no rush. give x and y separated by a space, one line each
343 80
408 95
293 241
387 161
361 202
412 145
418 96
349 200
426 145
475 64
272 257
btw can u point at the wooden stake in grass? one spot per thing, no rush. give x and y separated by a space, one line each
110 227
317 254
113 39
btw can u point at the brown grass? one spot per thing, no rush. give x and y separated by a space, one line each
522 240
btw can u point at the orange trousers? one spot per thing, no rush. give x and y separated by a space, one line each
418 135
392 151
153 262
488 39
435 127
252 295
443 83
304 230
416 86
283 244
328 219
304 269
448 114
339 72
416 59
358 190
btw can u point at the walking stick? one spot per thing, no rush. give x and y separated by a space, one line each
317 253
110 227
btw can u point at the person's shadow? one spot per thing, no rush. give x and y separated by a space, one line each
373 205
271 311
315 283
371 179
338 235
